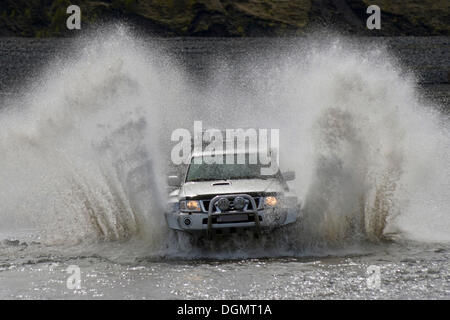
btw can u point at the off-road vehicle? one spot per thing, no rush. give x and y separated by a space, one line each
219 198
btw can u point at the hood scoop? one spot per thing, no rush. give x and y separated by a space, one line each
222 183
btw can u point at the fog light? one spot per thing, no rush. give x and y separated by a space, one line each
223 204
187 221
239 203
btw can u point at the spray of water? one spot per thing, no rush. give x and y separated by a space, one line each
371 159
78 151
83 151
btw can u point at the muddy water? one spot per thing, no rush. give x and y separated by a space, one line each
121 271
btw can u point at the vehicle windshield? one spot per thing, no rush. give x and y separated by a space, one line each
220 170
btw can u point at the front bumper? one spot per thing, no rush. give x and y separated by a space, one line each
198 222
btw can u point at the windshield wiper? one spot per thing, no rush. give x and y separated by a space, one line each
251 177
206 179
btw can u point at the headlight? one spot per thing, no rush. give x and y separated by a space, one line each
270 201
190 205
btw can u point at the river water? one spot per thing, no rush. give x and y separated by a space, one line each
85 132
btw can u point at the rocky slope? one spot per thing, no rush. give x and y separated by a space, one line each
43 18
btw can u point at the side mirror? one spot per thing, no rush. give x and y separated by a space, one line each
173 181
289 175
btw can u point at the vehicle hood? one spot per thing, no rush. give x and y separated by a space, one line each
194 189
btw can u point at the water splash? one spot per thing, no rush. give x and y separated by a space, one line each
76 162
83 151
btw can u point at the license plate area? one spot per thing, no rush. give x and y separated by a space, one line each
243 217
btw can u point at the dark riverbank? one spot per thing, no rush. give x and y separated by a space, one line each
22 59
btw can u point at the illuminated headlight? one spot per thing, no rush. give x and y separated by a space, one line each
270 201
190 206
